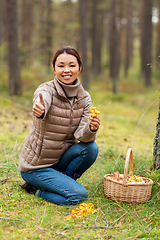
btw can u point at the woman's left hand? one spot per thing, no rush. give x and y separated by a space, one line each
94 123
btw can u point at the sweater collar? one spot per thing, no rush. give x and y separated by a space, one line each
67 90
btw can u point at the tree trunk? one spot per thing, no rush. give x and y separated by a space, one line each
2 27
97 35
146 42
100 21
129 36
156 150
83 43
15 83
113 48
119 15
2 32
26 30
158 40
49 35
94 35
42 32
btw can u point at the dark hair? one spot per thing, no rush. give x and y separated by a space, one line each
68 50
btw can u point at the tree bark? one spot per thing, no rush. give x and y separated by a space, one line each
100 21
146 42
129 37
26 30
156 150
15 83
83 43
113 48
158 39
2 27
49 33
94 36
42 32
3 37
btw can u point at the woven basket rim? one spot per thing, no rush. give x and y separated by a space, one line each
129 184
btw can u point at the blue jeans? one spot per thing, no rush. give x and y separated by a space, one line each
58 183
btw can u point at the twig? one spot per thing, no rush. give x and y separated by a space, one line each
9 219
107 223
111 227
101 227
119 218
5 179
120 205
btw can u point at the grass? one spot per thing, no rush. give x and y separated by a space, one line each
128 119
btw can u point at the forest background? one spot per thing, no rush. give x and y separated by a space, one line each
119 42
108 34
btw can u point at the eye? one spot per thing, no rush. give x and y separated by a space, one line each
60 66
72 65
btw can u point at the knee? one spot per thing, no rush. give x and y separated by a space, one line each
80 196
84 194
93 149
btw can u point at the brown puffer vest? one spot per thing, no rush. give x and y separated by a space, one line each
50 137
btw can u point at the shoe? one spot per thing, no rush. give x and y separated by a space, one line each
28 188
24 185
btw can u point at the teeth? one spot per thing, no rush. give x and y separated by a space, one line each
66 76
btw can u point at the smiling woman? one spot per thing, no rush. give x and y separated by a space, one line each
60 146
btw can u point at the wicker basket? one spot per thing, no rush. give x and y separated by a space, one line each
128 192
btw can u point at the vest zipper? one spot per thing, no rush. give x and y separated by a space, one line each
69 127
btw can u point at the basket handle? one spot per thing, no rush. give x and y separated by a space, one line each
129 156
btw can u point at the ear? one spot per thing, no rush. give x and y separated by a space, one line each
80 70
54 70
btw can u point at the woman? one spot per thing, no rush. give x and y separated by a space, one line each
60 146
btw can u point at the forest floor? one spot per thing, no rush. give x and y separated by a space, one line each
128 119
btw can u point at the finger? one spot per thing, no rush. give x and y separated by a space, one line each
93 128
41 99
39 106
95 120
94 117
37 112
94 125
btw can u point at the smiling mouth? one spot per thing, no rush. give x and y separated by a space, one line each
67 76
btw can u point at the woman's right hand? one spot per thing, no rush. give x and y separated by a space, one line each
39 107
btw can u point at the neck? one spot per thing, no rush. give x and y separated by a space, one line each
70 89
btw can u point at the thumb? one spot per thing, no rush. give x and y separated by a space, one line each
41 99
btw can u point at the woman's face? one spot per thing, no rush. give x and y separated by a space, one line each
66 68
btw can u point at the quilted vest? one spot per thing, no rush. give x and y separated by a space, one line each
50 137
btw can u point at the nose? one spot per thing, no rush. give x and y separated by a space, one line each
66 69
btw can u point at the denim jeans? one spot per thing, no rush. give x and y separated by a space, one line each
58 183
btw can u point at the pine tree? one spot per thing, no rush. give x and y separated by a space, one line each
156 150
15 81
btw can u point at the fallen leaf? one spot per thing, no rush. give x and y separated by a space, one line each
41 228
118 225
60 232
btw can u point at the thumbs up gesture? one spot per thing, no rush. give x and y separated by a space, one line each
39 107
